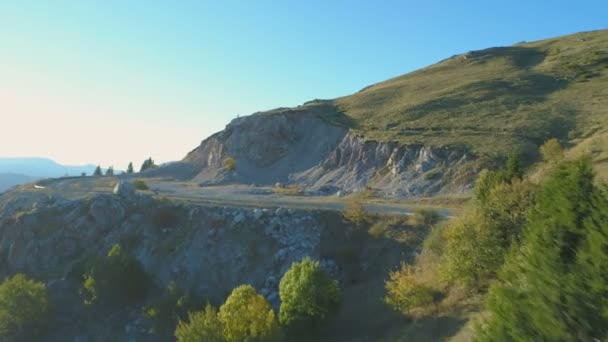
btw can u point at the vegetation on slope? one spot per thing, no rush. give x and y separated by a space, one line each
494 100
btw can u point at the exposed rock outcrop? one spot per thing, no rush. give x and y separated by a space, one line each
297 146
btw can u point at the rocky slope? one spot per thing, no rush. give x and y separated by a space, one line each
205 250
299 146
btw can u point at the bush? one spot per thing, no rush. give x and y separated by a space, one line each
309 298
247 316
425 217
24 309
169 308
229 164
355 212
473 251
116 279
552 151
140 185
404 292
201 326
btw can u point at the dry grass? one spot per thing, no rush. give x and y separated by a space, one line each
290 190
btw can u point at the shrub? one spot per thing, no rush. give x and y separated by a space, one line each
201 326
169 308
309 297
431 175
116 279
404 292
247 316
139 184
552 151
24 309
473 251
229 164
355 212
425 217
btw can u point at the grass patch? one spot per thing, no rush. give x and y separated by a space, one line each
139 184
290 190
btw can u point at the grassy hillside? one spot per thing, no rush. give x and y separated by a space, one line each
493 101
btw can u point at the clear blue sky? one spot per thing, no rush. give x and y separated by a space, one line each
112 81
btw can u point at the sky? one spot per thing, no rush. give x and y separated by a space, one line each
112 81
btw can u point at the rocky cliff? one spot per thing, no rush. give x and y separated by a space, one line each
205 250
300 146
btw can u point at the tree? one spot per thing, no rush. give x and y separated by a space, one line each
130 168
552 151
24 309
404 292
555 286
247 316
147 164
476 243
116 279
472 251
97 171
309 297
110 171
170 308
513 168
201 326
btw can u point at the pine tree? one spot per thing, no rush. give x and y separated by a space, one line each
147 164
110 171
97 171
130 168
554 287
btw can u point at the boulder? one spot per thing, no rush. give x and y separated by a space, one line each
124 189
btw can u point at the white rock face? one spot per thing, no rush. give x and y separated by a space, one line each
296 147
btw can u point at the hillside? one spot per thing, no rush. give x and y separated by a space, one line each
494 100
427 132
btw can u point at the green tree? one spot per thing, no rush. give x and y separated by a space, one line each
309 297
404 292
24 309
130 168
247 316
97 171
513 168
110 171
201 326
116 279
147 164
472 251
554 287
166 310
475 245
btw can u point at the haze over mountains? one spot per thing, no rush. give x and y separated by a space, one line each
14 171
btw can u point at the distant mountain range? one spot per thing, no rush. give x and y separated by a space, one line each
15 171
